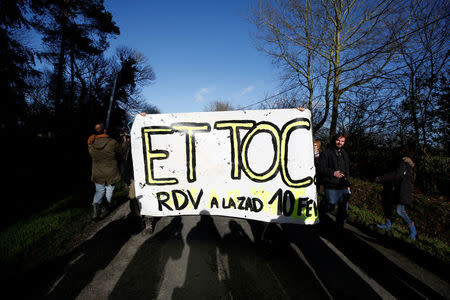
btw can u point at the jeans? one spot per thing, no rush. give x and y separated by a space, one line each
100 191
389 202
339 198
402 213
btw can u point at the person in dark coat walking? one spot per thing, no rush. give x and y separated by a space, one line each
333 170
397 191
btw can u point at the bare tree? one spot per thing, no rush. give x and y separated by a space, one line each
425 60
219 105
286 100
287 32
330 47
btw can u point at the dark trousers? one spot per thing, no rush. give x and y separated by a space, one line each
340 199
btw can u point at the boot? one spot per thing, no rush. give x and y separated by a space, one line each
341 215
412 232
386 226
105 209
96 213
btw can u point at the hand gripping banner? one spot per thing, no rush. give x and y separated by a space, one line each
254 164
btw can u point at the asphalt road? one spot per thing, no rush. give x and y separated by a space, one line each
204 257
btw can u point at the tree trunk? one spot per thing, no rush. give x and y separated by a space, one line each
334 113
71 98
337 68
327 99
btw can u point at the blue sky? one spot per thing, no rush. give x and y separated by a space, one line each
200 50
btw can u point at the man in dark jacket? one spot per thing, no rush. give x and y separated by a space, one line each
397 191
333 169
104 152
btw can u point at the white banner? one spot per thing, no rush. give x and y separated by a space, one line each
256 164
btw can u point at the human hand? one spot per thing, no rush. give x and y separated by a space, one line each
91 139
338 174
301 108
143 114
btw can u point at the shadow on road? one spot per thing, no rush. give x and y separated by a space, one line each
267 269
291 261
93 255
232 267
201 280
322 264
143 276
393 278
419 257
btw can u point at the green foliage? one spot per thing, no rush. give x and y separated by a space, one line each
433 174
32 237
16 60
120 192
372 155
54 112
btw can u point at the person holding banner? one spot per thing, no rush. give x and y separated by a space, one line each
128 178
104 152
333 170
319 186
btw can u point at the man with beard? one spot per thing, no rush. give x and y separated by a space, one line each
333 170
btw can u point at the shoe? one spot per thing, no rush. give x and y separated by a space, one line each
148 229
412 232
386 226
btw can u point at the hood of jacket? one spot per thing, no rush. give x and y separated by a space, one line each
100 143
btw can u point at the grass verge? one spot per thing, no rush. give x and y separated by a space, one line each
46 234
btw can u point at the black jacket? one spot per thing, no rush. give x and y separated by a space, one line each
328 163
400 181
126 167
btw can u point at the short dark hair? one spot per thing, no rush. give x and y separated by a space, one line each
339 135
101 125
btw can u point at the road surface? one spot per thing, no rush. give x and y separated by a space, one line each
207 257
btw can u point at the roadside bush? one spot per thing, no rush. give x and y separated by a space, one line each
432 174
